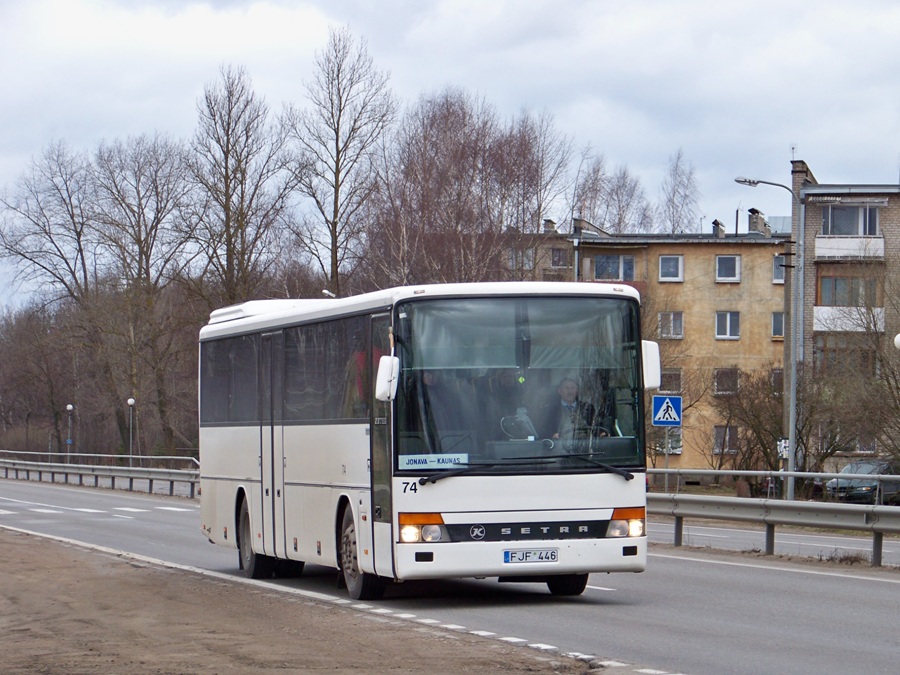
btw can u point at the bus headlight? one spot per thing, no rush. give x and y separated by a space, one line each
431 533
424 527
410 534
627 523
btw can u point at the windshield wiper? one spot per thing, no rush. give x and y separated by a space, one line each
466 468
587 457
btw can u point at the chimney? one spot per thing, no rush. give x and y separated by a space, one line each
718 229
549 226
757 223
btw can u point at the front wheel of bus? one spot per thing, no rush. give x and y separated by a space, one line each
360 585
567 584
255 566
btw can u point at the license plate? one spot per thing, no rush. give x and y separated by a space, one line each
531 555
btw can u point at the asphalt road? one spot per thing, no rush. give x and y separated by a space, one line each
693 611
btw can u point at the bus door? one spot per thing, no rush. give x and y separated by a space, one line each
271 444
380 457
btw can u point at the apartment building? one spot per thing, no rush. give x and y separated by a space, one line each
716 303
850 251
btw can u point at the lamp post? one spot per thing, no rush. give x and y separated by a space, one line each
69 409
130 403
796 342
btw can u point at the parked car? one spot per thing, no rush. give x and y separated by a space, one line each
863 490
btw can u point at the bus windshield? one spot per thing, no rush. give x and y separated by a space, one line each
519 384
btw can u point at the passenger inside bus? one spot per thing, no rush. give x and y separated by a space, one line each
567 417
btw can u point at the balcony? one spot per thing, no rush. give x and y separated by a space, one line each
855 248
848 319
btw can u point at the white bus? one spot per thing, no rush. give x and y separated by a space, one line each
419 433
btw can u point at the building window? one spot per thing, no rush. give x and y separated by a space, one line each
521 259
726 440
671 325
849 221
728 325
778 269
559 257
847 291
728 268
670 381
671 268
776 377
725 381
778 325
614 267
674 441
843 352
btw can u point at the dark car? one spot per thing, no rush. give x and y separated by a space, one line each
863 490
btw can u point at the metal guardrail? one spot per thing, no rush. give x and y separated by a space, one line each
96 458
876 519
14 468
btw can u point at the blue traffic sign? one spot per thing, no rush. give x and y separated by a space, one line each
666 411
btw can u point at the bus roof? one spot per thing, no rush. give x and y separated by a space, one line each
261 314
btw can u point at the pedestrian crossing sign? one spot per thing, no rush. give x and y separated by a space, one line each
667 411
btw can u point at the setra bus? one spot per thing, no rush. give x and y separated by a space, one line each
420 433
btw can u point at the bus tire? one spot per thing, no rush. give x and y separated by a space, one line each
255 565
360 585
567 584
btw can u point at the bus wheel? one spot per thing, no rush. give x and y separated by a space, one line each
360 585
255 566
567 584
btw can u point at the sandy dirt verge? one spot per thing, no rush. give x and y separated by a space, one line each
65 609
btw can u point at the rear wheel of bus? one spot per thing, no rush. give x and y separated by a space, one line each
255 566
360 585
567 584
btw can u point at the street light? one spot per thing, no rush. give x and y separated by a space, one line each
796 341
130 403
69 409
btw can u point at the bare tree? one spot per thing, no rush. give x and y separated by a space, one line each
590 188
52 235
439 219
679 196
142 200
351 108
755 407
627 209
48 234
529 165
614 202
241 170
34 380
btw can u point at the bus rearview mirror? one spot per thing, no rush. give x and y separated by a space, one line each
387 378
652 368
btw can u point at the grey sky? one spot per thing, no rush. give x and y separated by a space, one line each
735 85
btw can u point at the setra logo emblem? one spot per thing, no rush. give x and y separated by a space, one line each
477 532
